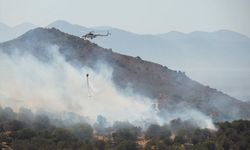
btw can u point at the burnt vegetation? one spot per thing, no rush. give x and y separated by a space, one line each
28 131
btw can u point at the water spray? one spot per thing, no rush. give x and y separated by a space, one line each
90 90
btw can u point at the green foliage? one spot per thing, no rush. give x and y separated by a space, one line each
25 134
41 122
82 131
124 134
60 134
235 135
157 132
32 132
100 144
126 145
13 125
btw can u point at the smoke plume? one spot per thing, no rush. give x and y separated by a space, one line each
56 86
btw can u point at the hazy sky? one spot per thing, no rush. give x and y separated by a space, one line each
140 16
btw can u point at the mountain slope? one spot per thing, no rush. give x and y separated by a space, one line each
223 56
170 88
121 41
174 48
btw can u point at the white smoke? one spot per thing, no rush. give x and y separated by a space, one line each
57 86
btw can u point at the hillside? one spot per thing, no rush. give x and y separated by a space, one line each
223 56
216 52
38 132
170 88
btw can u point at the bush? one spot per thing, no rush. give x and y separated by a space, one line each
13 125
25 134
126 145
82 131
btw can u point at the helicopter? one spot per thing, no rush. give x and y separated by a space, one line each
91 35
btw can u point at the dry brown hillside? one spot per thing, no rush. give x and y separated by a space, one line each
145 78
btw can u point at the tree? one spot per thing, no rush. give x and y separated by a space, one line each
13 125
101 125
100 144
41 122
157 132
82 131
25 134
126 145
61 134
